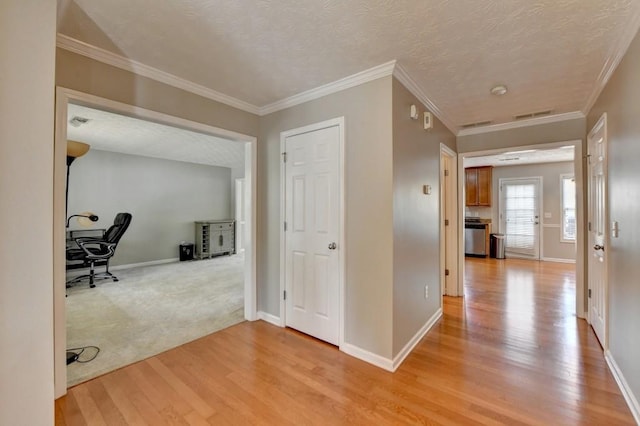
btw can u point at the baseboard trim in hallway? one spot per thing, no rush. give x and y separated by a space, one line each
398 359
631 399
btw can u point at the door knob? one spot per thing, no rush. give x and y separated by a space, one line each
332 246
598 247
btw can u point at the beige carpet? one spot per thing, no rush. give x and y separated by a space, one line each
150 310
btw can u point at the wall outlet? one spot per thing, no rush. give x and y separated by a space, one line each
426 291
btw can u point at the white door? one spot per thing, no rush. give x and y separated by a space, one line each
312 216
520 216
597 185
240 215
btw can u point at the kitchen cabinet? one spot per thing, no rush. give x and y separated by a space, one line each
477 186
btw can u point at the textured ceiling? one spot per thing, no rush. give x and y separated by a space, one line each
107 131
550 53
517 158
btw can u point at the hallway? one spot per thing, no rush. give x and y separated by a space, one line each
511 352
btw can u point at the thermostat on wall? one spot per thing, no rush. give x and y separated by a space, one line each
428 122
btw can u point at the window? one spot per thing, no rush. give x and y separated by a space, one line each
568 199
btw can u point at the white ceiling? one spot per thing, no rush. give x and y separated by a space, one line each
107 131
517 158
552 54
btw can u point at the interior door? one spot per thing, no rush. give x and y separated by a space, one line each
520 216
597 151
312 212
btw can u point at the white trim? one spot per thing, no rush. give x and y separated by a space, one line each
629 397
365 355
81 271
613 60
411 344
342 248
409 83
85 49
353 80
63 97
522 123
557 260
270 318
450 251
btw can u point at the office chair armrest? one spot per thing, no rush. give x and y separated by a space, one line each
86 239
94 256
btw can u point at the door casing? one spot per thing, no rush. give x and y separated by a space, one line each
339 122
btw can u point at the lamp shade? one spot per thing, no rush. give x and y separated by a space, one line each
86 219
76 149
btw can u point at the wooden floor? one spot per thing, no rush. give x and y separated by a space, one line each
510 352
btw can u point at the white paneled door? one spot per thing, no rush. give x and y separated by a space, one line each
312 217
520 216
597 228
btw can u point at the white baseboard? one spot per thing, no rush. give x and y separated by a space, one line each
557 259
365 355
78 272
271 319
398 359
631 399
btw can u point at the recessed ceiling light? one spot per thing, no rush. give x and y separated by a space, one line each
499 90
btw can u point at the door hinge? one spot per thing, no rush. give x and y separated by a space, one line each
446 272
285 227
446 172
284 157
589 226
446 222
285 295
589 293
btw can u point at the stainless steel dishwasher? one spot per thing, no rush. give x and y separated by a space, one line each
475 238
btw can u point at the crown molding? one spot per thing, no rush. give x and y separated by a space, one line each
615 57
522 123
353 80
76 46
403 77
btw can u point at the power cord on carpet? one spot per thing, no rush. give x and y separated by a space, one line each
74 356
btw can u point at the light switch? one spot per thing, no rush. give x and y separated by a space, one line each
615 231
426 189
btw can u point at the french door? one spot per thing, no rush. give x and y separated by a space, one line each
520 216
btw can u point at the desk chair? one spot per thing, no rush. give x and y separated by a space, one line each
94 251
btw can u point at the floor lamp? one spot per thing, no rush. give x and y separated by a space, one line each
75 149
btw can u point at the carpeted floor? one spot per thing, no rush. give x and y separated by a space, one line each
152 309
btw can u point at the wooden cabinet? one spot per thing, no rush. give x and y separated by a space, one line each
215 237
477 186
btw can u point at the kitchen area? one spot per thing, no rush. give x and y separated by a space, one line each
478 238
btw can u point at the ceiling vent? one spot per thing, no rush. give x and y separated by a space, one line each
532 114
476 124
78 121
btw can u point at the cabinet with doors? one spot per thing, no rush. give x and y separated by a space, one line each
477 186
215 237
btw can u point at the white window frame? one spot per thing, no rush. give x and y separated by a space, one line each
562 219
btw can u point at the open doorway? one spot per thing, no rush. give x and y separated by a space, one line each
528 196
168 192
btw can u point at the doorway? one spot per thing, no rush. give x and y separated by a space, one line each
551 224
312 239
63 99
519 207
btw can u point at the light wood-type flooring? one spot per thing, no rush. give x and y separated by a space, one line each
511 352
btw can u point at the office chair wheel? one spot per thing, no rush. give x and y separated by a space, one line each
115 280
92 285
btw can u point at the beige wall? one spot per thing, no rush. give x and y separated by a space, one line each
86 75
620 100
550 229
561 131
369 241
416 225
27 31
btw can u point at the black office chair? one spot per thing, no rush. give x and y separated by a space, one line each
98 251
